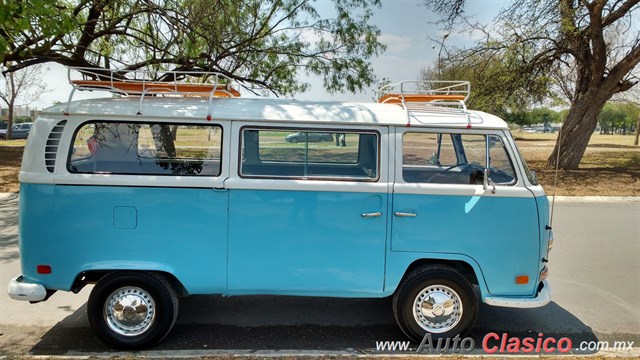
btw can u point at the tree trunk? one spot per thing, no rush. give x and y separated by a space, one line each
576 131
635 141
10 121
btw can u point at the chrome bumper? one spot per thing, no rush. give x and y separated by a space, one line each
542 299
20 290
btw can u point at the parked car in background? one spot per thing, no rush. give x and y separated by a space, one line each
18 131
308 137
543 128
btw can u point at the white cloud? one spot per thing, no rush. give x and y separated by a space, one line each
395 43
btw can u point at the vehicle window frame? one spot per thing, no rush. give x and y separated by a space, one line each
142 122
458 152
514 168
296 129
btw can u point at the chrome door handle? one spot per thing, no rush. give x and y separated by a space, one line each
370 215
404 214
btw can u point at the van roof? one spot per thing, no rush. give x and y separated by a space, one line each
283 110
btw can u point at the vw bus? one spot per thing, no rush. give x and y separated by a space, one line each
175 189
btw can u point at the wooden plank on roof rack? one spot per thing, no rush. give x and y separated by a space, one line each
138 87
418 98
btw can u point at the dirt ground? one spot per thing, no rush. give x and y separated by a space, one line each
610 167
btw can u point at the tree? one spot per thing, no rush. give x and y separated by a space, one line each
497 83
25 85
263 42
580 42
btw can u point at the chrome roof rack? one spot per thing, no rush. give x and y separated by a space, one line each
439 96
146 82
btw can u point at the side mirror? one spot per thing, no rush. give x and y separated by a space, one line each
433 160
486 181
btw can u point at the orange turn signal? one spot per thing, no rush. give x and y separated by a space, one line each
522 279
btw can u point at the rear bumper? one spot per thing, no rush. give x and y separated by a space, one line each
542 299
19 289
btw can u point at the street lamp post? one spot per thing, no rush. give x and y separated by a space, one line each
444 37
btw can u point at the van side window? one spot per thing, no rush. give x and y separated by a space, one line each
309 154
450 158
501 166
146 149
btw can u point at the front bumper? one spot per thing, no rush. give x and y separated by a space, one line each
19 289
542 299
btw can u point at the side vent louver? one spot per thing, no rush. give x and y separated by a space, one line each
51 149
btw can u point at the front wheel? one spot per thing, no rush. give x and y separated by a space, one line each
132 309
437 300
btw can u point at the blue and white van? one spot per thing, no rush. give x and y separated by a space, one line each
164 193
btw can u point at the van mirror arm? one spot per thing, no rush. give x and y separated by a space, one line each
486 181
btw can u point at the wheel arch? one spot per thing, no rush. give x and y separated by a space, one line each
467 266
93 276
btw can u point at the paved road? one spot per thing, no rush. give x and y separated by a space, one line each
595 277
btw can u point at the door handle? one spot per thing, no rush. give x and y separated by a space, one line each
404 214
370 215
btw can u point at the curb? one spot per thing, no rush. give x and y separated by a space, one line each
594 198
305 354
8 196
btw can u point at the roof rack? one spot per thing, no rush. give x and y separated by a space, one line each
428 95
145 82
424 91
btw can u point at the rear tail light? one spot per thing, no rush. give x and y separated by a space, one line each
43 269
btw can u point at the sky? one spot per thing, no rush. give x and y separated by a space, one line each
407 30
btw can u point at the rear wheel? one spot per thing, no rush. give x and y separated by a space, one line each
132 309
435 299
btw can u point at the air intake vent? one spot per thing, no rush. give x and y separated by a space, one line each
51 149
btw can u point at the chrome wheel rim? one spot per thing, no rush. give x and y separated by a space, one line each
129 311
437 309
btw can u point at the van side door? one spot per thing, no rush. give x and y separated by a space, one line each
441 206
308 212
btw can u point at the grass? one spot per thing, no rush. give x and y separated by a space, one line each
21 142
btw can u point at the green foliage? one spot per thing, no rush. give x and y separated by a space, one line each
264 42
22 119
535 116
27 27
500 83
618 118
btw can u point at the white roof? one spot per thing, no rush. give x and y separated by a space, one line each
177 108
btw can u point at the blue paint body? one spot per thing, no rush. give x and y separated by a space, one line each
482 228
71 228
276 242
306 242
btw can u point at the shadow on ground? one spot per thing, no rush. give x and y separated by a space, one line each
9 228
300 323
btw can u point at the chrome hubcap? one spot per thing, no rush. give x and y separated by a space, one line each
437 309
129 311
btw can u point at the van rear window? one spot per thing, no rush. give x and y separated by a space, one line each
146 149
309 154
